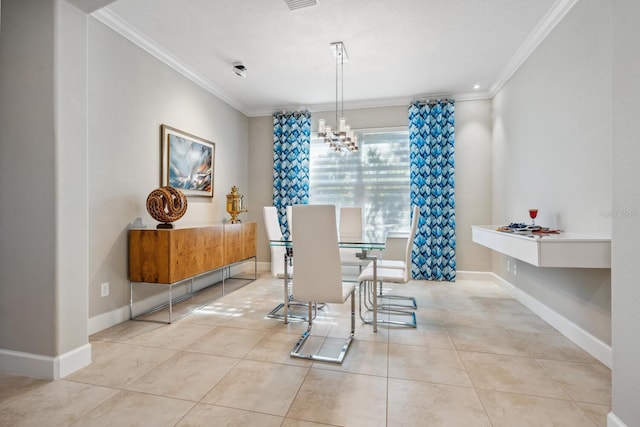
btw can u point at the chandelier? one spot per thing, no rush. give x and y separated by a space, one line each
341 138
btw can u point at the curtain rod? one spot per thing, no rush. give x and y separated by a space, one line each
435 101
283 112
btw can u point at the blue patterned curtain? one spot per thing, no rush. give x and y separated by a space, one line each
431 136
291 139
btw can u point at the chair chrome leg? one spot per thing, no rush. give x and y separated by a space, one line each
353 314
382 306
273 314
368 301
297 349
411 324
362 289
366 287
412 301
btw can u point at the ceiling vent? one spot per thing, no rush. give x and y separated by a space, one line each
299 4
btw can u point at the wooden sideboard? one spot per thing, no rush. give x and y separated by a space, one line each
168 257
239 242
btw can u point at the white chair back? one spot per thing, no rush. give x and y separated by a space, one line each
271 223
350 224
272 228
316 256
414 226
290 221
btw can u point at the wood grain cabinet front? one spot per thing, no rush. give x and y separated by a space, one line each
239 242
169 256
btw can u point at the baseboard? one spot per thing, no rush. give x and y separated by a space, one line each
583 339
111 318
46 367
73 360
106 320
474 275
264 266
613 421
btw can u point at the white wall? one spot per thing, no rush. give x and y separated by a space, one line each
260 178
552 151
473 181
27 178
72 172
131 94
43 217
473 169
626 225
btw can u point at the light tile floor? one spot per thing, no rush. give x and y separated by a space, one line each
477 358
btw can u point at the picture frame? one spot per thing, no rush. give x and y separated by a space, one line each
187 163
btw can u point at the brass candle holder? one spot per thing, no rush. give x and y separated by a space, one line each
235 205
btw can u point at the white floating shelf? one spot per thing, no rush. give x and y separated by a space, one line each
567 250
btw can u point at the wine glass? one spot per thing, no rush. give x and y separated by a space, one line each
533 213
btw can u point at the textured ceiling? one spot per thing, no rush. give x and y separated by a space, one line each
398 49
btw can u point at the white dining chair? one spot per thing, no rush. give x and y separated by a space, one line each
290 221
367 287
394 272
272 227
403 265
318 271
392 241
350 230
273 230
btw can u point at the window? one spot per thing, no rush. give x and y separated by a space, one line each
375 177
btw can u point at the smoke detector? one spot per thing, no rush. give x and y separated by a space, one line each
240 69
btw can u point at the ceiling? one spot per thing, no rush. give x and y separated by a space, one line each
398 50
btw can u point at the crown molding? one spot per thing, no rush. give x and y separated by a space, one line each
374 103
539 33
90 6
131 33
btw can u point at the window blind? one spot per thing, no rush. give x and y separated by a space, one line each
376 177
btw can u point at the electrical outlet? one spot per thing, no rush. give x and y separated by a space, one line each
508 266
104 289
515 269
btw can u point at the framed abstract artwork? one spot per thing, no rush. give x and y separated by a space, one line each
188 162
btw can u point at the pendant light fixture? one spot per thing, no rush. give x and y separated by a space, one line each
340 138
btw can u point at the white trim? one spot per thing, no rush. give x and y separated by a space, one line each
132 34
106 320
264 266
243 267
375 103
47 367
539 33
73 360
583 339
111 318
474 275
32 365
613 421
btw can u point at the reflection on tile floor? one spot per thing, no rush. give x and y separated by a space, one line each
477 358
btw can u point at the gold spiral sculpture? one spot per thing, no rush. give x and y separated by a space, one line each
166 204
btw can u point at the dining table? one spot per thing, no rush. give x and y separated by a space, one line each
365 247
